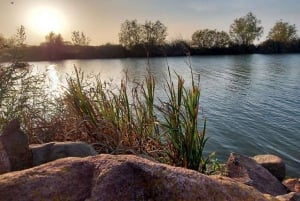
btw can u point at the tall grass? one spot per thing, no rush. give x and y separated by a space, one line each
22 96
118 121
115 120
180 113
18 92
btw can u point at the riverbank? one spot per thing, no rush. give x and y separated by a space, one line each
180 48
243 178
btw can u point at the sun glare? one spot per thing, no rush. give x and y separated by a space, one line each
46 19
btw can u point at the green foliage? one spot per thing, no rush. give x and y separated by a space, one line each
283 32
210 39
245 30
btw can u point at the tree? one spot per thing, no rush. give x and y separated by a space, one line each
3 42
54 46
17 44
283 32
16 41
133 33
153 33
80 38
245 30
20 36
210 39
53 39
130 34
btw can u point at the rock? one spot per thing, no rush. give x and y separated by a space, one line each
121 177
44 153
4 160
15 143
292 196
273 163
292 184
247 171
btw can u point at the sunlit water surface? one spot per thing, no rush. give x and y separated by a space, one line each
252 102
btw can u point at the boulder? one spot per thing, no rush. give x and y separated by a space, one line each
43 153
292 196
119 177
247 171
292 184
15 143
4 160
273 163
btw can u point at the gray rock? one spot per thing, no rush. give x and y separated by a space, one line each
15 143
44 153
122 177
273 163
247 171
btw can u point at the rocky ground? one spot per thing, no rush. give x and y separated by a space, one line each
74 171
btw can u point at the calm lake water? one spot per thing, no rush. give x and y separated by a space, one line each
252 102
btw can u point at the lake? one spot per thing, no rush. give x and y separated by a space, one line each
252 102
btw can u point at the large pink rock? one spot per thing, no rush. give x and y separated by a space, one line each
15 143
123 177
44 153
4 160
292 196
274 164
293 184
247 171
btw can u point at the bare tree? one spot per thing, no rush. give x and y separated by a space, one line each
20 36
79 38
130 33
153 33
149 34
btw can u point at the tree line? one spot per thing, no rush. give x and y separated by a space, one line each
148 39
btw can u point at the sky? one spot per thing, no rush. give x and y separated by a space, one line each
100 20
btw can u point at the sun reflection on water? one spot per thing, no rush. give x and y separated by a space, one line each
54 83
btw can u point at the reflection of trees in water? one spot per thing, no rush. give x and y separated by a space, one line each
239 74
136 69
276 64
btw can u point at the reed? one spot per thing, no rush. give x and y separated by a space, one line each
125 119
118 121
180 113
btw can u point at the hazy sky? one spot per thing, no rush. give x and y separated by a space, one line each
101 19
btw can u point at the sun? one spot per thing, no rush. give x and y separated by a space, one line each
46 19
